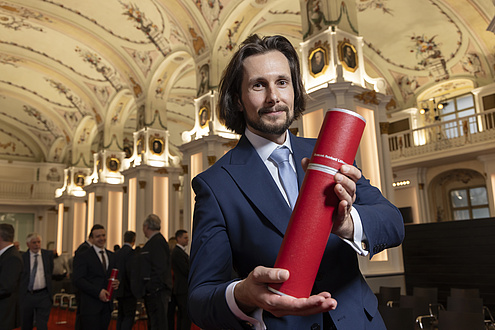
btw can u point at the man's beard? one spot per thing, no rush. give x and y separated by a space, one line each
263 127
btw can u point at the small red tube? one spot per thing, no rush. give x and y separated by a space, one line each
113 277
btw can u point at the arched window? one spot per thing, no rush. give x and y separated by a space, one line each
458 194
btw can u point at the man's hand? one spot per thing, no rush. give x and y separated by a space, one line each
345 189
104 295
115 284
252 293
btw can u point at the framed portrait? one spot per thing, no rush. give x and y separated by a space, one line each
79 180
204 116
348 56
204 81
128 151
113 164
318 61
156 145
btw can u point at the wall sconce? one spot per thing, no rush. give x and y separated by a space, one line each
424 108
442 103
432 105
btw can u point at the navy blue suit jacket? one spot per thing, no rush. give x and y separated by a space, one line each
240 218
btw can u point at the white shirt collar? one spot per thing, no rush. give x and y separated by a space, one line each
5 248
265 147
31 253
97 249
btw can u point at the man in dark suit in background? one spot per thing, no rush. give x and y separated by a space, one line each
35 294
180 268
10 274
155 263
81 248
92 269
126 300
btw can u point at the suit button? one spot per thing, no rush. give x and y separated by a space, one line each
315 326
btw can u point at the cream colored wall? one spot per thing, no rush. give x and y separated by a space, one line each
435 171
405 197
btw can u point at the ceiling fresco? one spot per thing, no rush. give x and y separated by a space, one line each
76 76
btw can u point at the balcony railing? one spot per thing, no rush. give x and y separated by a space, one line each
29 191
462 132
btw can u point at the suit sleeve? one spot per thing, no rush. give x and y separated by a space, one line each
382 221
50 263
211 263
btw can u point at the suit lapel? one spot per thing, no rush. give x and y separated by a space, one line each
98 260
301 148
254 180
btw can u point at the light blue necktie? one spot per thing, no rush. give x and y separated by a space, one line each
286 173
33 273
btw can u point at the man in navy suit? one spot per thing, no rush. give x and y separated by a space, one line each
92 269
35 295
126 300
241 211
180 268
10 274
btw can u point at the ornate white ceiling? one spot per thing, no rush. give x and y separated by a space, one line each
73 73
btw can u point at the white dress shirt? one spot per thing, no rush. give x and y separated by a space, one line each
97 249
264 148
39 280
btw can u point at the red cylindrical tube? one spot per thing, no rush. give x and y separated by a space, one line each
113 277
311 220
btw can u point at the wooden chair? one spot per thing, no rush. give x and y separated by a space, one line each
463 304
467 293
453 320
419 305
430 320
430 293
388 295
397 318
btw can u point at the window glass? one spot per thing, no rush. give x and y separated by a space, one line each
465 102
461 215
481 213
459 198
465 113
478 196
447 107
